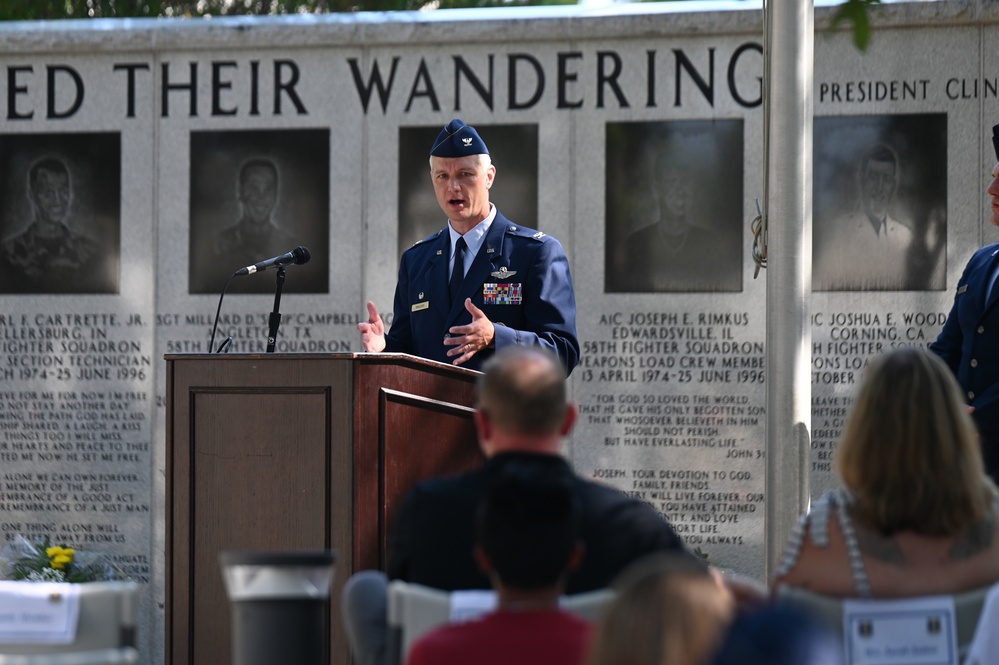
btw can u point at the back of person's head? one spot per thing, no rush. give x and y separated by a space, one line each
777 635
523 391
910 451
528 523
669 610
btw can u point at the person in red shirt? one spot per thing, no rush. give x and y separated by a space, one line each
527 542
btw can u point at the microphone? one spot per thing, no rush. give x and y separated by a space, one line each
295 257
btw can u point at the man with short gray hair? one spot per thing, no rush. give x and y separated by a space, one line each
522 417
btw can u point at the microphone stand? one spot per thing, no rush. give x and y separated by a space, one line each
275 320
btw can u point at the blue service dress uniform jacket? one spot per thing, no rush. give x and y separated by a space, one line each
520 280
969 344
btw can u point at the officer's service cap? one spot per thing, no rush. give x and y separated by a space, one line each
458 140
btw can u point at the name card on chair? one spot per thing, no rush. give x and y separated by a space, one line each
915 631
38 612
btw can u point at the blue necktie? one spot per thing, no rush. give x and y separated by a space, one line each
458 271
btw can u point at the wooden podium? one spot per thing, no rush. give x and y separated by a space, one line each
295 452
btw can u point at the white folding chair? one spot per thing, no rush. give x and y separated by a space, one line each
850 614
105 631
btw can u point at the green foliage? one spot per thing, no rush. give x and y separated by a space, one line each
462 4
57 9
855 12
37 10
851 11
27 10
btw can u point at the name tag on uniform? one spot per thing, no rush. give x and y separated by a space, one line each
502 294
420 305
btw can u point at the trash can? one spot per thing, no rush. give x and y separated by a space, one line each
280 606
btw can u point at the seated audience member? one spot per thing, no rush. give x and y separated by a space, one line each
523 414
777 635
528 542
984 648
917 514
668 610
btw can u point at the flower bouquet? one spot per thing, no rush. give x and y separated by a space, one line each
24 560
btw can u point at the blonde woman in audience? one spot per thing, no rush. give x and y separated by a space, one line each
669 610
917 514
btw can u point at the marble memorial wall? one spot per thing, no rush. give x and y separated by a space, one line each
136 157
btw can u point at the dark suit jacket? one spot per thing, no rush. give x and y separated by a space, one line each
510 256
969 344
434 530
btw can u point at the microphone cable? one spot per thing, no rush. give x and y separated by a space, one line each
215 325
